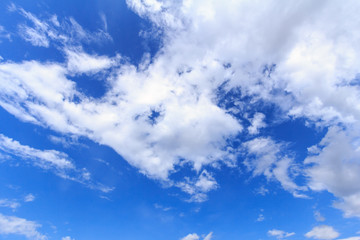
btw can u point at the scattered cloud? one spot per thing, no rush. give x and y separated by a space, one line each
29 198
257 122
199 187
20 226
191 236
40 32
279 234
265 157
322 232
13 204
167 111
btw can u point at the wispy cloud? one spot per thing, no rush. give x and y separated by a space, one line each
280 234
52 160
20 226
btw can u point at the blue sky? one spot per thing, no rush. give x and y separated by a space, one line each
185 120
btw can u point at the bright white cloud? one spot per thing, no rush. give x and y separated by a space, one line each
20 226
322 232
257 122
335 168
167 112
279 234
81 62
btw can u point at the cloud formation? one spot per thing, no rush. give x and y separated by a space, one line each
20 226
171 110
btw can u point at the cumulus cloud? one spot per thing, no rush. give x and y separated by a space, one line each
322 232
170 110
335 166
279 234
20 226
257 122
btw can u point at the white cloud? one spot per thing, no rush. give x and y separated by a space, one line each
279 234
68 32
298 59
13 204
198 188
194 236
265 156
334 166
20 226
322 232
256 122
80 62
29 198
191 236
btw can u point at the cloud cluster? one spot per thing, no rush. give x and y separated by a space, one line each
322 232
170 110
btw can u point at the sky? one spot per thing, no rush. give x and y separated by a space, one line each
179 120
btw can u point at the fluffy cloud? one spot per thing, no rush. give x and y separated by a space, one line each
322 232
335 168
20 226
279 234
169 111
